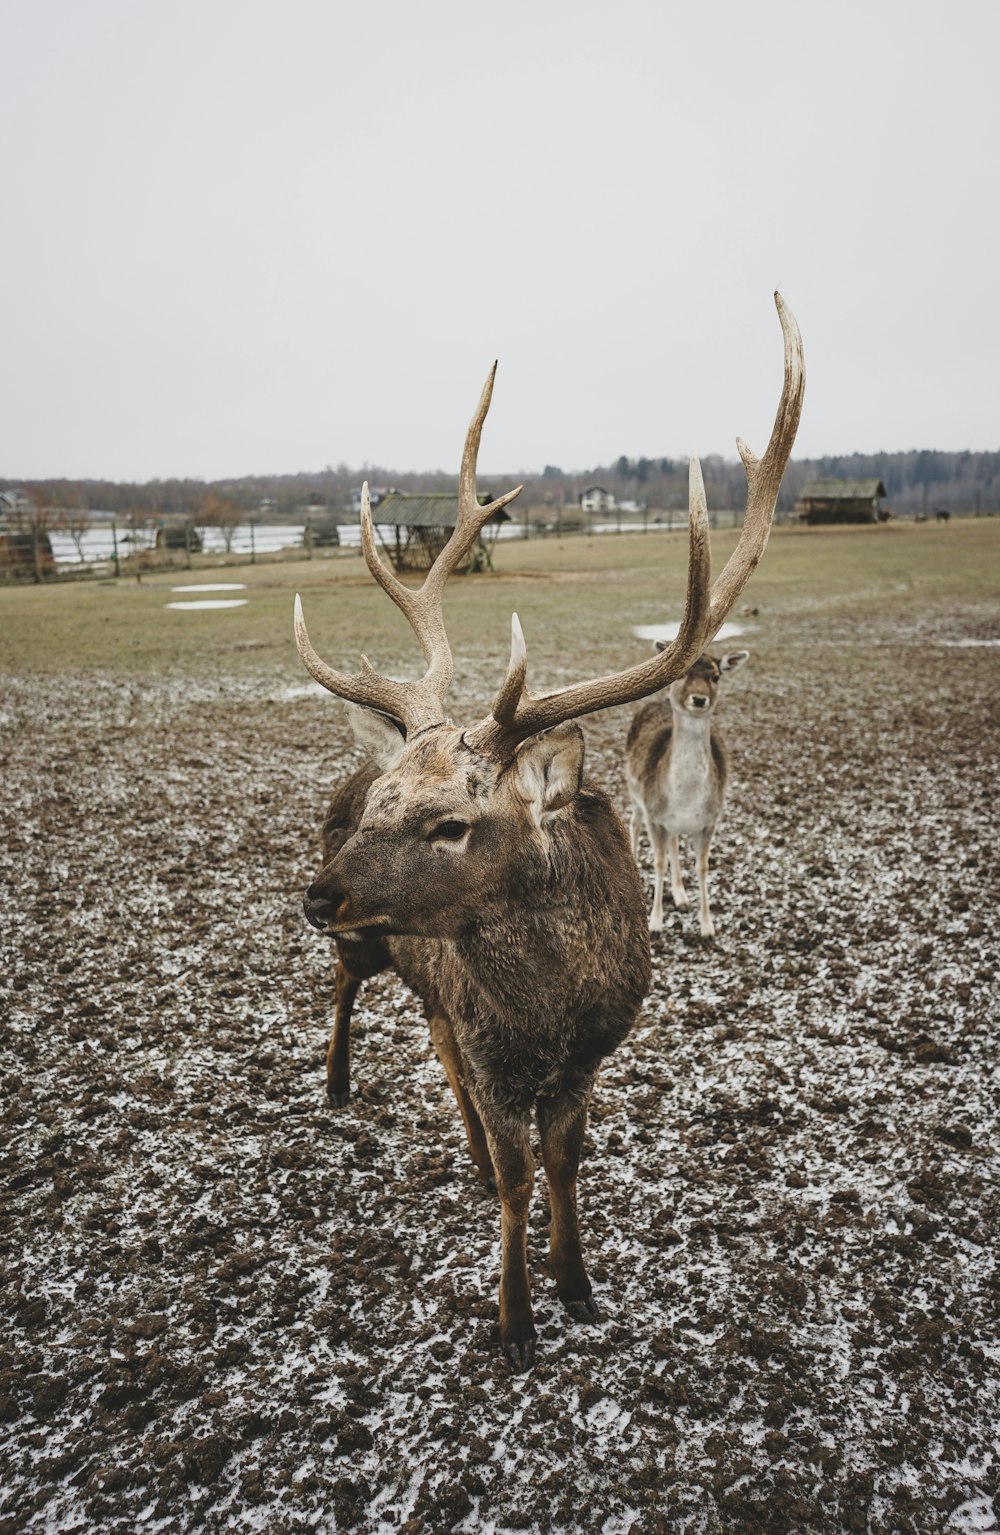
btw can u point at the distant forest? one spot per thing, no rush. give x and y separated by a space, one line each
915 481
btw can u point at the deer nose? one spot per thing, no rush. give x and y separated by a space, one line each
699 701
319 909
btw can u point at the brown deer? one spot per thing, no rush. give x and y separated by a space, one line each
676 766
499 886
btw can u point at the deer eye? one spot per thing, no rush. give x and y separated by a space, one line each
450 831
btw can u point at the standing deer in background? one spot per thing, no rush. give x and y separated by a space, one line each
480 866
676 765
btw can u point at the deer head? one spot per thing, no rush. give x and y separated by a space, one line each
454 807
697 692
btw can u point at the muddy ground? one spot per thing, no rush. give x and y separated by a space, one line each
228 1307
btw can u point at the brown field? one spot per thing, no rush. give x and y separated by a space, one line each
231 1308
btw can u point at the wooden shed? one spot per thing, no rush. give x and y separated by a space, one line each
25 556
413 529
833 500
178 535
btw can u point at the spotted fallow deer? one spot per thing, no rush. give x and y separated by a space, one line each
480 866
676 766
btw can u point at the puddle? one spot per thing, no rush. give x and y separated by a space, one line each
670 631
213 586
211 602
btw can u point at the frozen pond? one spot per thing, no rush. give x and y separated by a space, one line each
98 543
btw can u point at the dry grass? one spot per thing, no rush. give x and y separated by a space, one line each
577 599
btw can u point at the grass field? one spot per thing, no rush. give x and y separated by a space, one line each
230 1308
577 598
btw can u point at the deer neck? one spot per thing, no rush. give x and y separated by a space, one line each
691 740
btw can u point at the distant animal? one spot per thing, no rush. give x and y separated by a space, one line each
941 514
676 766
480 866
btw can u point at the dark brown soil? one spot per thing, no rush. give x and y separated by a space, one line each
228 1307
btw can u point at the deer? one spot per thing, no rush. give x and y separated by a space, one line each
479 864
676 767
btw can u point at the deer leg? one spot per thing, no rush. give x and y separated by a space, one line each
450 1056
658 837
633 833
702 844
561 1123
356 962
338 1055
676 877
510 1149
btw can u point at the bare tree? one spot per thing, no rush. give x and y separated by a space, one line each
219 512
74 518
141 539
35 518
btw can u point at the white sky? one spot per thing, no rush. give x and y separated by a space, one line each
252 236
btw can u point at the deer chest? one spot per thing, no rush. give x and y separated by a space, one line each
690 793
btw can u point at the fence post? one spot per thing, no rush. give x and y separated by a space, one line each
253 544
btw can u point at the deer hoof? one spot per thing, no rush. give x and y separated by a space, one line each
519 1346
339 1099
584 1310
520 1354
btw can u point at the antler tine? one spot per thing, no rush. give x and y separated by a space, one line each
409 702
406 598
763 476
516 715
423 606
414 704
472 517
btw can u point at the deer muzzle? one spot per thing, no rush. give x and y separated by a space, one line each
321 910
327 906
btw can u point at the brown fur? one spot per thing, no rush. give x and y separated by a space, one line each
528 950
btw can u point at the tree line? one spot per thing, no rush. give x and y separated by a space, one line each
914 481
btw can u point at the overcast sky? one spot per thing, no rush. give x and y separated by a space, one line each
261 236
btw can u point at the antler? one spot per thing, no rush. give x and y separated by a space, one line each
415 704
516 715
763 476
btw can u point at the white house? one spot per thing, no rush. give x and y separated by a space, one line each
596 499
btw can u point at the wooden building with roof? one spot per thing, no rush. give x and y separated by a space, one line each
833 500
413 529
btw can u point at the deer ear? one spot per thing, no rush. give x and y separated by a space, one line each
548 768
734 659
380 736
